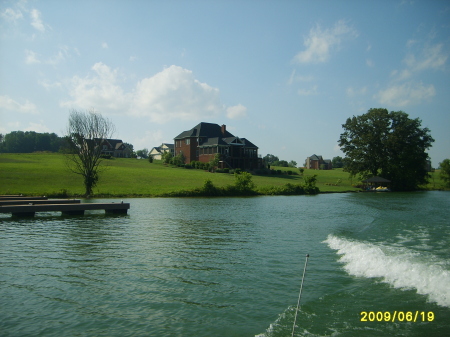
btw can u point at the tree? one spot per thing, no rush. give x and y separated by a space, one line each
178 160
337 162
85 133
389 144
30 141
142 153
214 162
445 171
270 159
292 163
166 157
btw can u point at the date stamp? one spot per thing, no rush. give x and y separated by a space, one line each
397 316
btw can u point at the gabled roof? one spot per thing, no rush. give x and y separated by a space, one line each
210 134
376 180
170 146
156 148
204 130
315 157
248 143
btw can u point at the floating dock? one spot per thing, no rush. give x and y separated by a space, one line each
25 206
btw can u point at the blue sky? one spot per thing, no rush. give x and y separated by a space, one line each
284 74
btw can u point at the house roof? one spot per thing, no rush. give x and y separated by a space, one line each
376 180
156 148
315 157
114 143
210 134
170 146
207 130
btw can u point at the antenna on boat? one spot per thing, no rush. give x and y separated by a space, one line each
300 295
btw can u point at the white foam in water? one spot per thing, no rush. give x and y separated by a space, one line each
399 267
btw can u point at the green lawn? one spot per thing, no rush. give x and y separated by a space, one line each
47 174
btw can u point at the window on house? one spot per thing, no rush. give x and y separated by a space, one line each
187 141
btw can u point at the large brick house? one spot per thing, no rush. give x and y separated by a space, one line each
318 163
205 140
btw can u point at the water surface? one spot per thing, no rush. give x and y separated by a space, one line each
230 267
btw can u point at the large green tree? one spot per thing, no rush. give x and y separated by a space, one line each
388 144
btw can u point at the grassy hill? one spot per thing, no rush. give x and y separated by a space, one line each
47 174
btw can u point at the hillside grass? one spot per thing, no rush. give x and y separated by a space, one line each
47 174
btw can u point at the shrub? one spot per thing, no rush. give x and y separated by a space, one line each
243 183
310 185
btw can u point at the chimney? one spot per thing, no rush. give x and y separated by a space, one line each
224 129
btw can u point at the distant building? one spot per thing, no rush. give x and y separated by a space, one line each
158 151
114 148
316 162
205 140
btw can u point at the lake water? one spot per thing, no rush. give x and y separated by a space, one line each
232 267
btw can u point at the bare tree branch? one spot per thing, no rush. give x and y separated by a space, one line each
84 136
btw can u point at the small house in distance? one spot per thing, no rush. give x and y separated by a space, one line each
205 140
318 163
114 148
158 151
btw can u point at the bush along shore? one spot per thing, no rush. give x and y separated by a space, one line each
244 186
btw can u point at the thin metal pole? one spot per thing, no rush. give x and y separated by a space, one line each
300 294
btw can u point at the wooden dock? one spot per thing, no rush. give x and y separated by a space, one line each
26 206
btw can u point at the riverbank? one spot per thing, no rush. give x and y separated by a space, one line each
47 174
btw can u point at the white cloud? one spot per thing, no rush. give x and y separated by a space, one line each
352 92
298 78
9 105
36 20
30 57
11 15
100 91
149 140
405 94
370 63
104 45
172 94
320 43
236 112
431 58
37 127
63 53
308 92
47 85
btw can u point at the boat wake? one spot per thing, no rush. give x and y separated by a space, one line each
399 267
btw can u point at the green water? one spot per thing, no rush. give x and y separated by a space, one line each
231 267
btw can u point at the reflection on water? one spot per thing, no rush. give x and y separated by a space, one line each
227 267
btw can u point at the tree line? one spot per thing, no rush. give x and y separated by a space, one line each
30 141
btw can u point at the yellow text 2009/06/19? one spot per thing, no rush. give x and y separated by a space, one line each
397 316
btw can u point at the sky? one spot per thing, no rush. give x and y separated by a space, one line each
284 74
